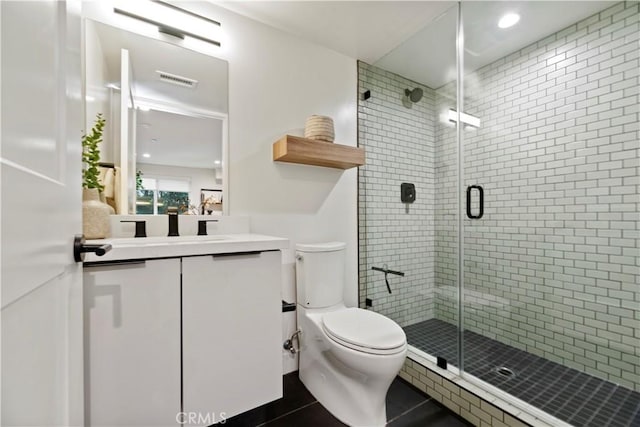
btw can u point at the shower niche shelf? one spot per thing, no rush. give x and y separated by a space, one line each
295 149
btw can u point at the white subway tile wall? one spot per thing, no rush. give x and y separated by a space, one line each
398 136
553 266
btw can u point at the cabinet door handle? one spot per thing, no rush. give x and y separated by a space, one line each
117 262
229 254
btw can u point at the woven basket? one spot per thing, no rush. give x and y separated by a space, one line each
319 128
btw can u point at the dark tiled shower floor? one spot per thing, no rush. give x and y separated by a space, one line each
580 399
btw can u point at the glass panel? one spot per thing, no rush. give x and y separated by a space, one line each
404 128
149 183
551 295
144 202
171 132
167 184
179 199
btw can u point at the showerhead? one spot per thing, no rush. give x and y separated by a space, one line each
414 95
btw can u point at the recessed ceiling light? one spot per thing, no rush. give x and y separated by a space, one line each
508 20
143 108
217 162
146 155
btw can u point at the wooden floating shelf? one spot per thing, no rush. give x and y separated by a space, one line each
295 149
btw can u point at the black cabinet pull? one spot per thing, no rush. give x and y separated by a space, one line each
232 254
115 263
481 202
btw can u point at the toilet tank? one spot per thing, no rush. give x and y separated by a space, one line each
320 274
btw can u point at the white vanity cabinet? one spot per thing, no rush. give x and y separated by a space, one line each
231 332
132 343
182 329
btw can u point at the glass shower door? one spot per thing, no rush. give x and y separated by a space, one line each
408 249
550 182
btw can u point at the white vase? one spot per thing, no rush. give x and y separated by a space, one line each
103 199
95 215
319 128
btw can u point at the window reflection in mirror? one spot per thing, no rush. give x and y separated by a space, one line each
175 144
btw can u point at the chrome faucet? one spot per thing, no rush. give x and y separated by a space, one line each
173 221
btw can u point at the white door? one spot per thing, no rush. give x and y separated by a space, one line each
40 177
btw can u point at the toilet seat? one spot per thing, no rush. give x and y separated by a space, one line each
364 331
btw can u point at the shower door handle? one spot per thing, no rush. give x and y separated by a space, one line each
481 201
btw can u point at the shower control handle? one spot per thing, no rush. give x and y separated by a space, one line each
470 215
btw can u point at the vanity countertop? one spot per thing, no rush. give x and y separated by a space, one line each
173 247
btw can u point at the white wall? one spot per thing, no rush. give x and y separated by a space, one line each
198 177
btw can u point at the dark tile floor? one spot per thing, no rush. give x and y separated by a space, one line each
580 399
406 407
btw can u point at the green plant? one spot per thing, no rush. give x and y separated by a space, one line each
91 155
139 185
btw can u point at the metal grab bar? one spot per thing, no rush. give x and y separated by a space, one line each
385 270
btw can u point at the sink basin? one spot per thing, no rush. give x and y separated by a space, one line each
163 240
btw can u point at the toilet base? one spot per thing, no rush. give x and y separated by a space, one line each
350 384
351 406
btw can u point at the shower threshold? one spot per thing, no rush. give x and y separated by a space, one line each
570 395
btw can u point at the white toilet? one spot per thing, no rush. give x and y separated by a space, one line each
348 356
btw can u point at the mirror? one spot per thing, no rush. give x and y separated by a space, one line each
165 143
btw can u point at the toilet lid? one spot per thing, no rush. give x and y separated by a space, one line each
364 328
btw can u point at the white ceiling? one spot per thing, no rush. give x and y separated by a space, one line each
177 140
417 39
183 140
428 57
364 30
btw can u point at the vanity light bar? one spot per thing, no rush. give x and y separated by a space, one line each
464 118
157 13
187 12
